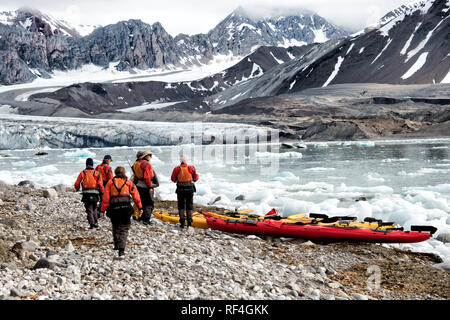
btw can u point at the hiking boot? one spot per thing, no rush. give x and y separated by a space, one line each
121 252
96 226
148 223
92 226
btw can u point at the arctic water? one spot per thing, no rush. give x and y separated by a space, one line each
402 181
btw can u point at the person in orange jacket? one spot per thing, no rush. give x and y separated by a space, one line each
185 176
136 167
145 176
92 189
117 203
105 170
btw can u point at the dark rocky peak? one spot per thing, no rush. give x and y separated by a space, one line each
133 26
35 21
235 19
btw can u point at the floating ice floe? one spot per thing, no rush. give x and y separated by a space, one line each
319 169
79 153
281 155
365 144
375 177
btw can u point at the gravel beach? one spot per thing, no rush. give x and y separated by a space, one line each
47 251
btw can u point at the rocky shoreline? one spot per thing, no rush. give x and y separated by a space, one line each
48 252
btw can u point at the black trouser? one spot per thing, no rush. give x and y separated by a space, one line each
90 203
148 202
121 221
120 235
185 202
92 213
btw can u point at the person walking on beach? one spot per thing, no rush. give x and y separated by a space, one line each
105 170
92 190
117 203
136 166
185 176
145 174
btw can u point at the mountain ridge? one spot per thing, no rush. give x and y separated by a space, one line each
135 44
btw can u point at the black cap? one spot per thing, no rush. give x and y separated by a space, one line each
89 162
107 157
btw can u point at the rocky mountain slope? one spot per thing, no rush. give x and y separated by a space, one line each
34 47
411 48
240 32
360 87
107 97
407 48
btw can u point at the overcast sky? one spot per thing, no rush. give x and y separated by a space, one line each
200 16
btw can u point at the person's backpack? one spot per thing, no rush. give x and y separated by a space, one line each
184 176
90 179
103 172
139 172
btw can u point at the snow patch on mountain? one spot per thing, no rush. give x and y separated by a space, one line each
319 35
292 43
337 67
276 59
149 106
384 49
422 44
416 66
350 49
446 78
256 71
408 43
6 17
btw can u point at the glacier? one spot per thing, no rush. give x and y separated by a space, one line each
31 132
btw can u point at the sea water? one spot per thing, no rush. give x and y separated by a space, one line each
406 182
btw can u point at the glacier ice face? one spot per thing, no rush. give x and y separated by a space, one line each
28 132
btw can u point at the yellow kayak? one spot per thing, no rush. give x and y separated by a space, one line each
342 223
301 217
241 217
198 220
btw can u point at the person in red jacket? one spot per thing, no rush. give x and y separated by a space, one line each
145 176
105 170
185 176
117 203
92 189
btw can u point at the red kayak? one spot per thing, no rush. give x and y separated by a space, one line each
320 233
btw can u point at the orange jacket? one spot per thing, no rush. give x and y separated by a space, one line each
82 176
176 171
131 187
105 171
148 172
